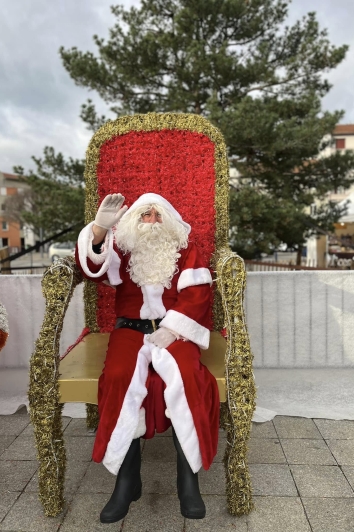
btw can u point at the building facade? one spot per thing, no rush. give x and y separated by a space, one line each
12 233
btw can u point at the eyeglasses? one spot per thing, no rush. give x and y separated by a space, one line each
150 214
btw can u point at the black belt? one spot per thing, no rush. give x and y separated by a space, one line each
143 326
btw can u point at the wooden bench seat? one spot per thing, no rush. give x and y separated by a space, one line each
81 368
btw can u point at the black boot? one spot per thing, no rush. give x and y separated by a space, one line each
127 488
192 505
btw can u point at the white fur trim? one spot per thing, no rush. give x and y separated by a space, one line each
149 199
141 428
177 405
107 258
129 418
113 270
152 308
188 328
194 277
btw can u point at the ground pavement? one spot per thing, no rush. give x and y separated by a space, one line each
302 472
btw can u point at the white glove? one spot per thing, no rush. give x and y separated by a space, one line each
162 338
110 212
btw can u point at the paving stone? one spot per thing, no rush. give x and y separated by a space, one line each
5 442
349 474
278 514
7 499
26 515
267 451
272 479
84 514
15 475
333 429
159 450
29 429
79 448
73 476
222 433
263 430
343 451
78 427
213 481
221 450
307 452
296 427
97 480
161 479
22 448
154 513
217 518
327 515
321 481
13 425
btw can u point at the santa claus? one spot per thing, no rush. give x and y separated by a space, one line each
153 376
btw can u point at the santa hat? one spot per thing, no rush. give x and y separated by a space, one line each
155 199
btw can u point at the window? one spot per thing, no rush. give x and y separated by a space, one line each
5 242
340 144
5 226
3 206
3 191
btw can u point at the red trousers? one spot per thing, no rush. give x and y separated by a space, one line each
200 389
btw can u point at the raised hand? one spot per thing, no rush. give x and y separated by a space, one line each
110 211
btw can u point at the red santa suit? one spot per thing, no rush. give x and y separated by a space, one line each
190 391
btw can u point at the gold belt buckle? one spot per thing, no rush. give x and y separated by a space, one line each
153 325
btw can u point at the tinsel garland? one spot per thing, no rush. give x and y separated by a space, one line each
58 284
240 385
4 326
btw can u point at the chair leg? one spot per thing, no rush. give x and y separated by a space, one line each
52 461
238 482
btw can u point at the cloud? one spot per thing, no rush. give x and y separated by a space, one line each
337 18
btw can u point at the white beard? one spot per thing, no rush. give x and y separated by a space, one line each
154 254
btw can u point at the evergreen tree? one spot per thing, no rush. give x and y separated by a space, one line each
56 198
260 81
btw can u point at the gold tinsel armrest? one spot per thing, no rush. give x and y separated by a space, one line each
58 284
240 386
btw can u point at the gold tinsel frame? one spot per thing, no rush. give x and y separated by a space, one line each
227 311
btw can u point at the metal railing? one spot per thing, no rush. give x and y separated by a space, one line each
261 266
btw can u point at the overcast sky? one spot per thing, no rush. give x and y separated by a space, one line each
40 104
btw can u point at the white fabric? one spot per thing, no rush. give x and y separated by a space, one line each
25 305
128 421
141 428
186 327
109 260
150 199
177 405
312 393
194 277
110 212
162 338
153 307
301 319
295 319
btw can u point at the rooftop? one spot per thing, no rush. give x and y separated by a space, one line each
344 129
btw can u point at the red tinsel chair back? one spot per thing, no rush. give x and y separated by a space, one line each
181 157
